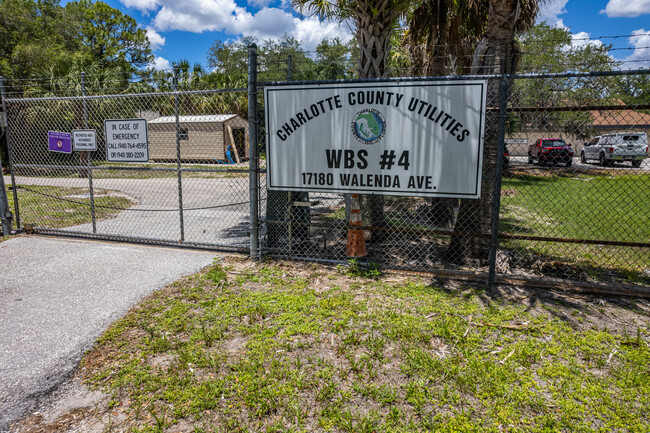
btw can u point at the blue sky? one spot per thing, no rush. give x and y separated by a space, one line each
185 29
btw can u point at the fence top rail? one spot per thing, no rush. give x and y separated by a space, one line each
582 74
127 95
463 77
378 80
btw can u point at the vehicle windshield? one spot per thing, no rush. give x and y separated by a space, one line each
553 143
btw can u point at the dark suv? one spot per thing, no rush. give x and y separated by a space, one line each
550 150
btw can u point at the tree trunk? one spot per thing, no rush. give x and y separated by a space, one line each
428 49
497 53
374 29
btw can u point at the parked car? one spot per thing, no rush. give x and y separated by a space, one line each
506 158
616 147
550 150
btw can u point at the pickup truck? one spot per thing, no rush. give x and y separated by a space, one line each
616 147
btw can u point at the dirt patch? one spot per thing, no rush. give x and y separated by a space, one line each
73 407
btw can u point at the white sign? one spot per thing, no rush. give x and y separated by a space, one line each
84 139
421 138
516 141
126 140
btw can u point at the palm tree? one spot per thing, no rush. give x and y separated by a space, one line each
439 40
375 22
441 35
497 53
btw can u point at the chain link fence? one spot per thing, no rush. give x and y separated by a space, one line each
575 197
565 184
551 210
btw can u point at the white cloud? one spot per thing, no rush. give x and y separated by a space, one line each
640 57
155 39
550 11
311 32
160 64
198 16
143 5
626 8
560 24
267 23
582 40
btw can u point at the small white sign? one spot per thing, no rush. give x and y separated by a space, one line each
516 141
84 139
126 140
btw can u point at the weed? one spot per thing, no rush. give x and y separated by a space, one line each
355 268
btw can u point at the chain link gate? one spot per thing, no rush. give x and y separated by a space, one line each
192 192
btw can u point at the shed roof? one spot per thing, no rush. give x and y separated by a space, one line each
207 118
620 118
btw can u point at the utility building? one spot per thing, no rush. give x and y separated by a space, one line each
204 138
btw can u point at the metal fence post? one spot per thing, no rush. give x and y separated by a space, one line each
9 155
88 154
496 201
253 162
178 155
5 213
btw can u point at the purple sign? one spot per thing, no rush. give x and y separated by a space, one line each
59 141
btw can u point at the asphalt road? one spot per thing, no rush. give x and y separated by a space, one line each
522 161
57 296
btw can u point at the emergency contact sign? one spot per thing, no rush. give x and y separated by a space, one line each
126 140
421 138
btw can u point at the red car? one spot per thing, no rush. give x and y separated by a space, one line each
550 150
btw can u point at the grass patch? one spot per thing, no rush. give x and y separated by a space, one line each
57 207
585 206
280 348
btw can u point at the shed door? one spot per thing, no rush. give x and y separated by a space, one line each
239 134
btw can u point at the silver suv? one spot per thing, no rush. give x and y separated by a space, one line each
616 147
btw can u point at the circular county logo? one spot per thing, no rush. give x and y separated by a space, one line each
369 126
